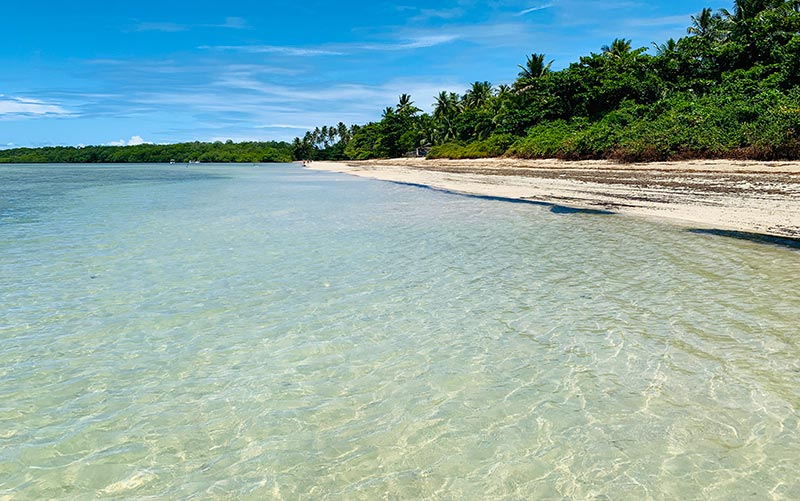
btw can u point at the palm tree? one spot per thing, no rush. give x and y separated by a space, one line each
705 25
405 101
478 95
534 70
405 106
447 105
344 134
668 47
618 48
446 108
535 67
750 9
323 135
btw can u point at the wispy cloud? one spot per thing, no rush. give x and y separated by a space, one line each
275 49
416 43
248 101
285 126
535 9
20 106
429 14
233 23
493 35
411 43
682 20
165 27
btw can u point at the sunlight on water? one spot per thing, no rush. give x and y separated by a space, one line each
268 332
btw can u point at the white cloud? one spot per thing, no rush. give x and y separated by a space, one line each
23 106
133 141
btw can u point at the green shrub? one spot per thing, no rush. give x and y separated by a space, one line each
546 140
446 150
494 146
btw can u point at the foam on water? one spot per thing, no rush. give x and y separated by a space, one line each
255 332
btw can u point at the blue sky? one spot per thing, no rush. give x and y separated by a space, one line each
113 72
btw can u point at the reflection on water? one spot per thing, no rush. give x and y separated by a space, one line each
268 332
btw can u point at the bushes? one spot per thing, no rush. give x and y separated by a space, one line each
447 150
763 126
776 133
547 140
494 146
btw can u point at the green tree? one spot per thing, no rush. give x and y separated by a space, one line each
478 95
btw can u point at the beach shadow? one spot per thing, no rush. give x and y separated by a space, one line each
561 209
554 208
785 242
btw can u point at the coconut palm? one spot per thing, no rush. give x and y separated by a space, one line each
478 95
534 70
705 25
405 105
620 47
344 134
535 67
323 135
749 9
668 47
447 105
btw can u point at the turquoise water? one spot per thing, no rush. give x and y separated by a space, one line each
266 332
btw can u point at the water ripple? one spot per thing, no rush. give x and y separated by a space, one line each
275 333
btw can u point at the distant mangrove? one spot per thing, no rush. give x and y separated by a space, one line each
228 151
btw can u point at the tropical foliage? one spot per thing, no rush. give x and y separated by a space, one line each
182 152
729 88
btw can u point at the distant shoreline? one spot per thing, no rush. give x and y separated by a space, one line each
740 196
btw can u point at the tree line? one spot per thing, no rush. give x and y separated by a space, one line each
245 152
729 88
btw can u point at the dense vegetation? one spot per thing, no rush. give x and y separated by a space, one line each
182 152
730 88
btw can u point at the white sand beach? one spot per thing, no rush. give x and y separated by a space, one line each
746 196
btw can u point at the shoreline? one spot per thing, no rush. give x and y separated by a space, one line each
761 198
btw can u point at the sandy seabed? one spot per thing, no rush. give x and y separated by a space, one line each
743 196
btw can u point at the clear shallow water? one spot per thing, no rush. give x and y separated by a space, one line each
269 332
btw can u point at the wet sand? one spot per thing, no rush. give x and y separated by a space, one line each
740 196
